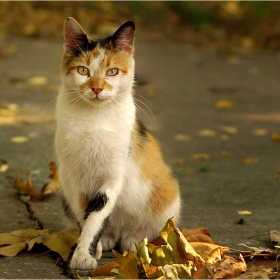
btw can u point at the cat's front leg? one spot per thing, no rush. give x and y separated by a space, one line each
97 214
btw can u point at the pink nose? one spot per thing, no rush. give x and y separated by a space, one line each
97 90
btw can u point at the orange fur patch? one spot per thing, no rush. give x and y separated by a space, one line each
148 156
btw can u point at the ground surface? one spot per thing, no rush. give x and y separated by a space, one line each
181 86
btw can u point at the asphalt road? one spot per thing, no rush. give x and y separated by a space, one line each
225 158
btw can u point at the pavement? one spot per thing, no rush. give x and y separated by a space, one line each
225 158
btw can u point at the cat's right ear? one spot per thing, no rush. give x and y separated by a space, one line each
74 36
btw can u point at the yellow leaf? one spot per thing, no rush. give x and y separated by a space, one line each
182 137
207 133
229 130
128 265
4 167
105 269
21 236
12 250
259 132
224 104
244 212
62 242
37 81
19 139
176 258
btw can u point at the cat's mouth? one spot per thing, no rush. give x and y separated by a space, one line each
97 99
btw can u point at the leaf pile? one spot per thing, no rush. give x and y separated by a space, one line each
174 254
16 241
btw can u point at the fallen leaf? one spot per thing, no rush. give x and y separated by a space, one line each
16 241
128 265
275 137
202 156
205 168
54 185
197 234
105 269
37 81
249 161
229 268
225 154
244 212
9 110
61 242
179 161
229 130
207 133
259 132
26 188
181 137
176 258
19 139
4 167
224 104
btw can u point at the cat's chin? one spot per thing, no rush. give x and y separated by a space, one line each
97 101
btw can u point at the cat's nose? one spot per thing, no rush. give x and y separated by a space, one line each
97 90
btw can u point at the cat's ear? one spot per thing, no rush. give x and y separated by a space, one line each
123 38
74 36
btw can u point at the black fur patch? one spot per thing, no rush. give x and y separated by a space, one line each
93 244
142 129
96 203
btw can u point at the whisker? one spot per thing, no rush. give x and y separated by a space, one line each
138 106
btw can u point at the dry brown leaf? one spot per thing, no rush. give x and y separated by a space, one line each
275 137
26 188
229 268
204 249
179 161
54 185
249 161
105 269
202 156
197 234
225 154
16 241
61 242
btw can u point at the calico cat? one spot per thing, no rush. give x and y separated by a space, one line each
116 186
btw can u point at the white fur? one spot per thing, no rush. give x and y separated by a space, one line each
92 145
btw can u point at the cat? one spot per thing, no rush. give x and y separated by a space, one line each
116 186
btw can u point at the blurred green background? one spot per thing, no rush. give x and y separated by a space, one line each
223 25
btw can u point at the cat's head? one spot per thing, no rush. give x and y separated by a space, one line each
96 71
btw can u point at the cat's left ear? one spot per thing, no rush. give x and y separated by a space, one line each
123 38
74 36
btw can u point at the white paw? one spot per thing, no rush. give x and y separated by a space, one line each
128 245
83 261
108 243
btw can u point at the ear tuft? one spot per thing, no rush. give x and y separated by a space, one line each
123 38
74 36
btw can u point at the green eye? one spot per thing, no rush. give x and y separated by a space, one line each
83 71
112 72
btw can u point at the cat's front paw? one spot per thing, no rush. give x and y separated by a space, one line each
129 245
82 261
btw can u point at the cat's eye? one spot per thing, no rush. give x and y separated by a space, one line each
83 71
112 72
